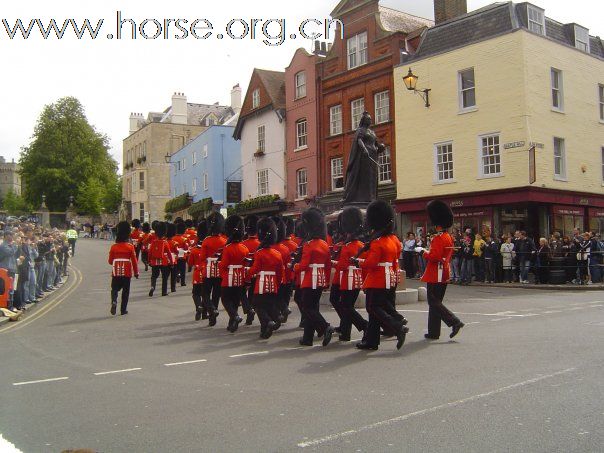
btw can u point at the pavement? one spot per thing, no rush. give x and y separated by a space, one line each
523 375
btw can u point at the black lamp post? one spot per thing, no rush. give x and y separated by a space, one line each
410 81
167 158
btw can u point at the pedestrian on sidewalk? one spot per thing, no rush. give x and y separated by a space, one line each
408 255
543 257
122 258
508 254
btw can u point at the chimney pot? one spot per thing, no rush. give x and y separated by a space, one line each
445 10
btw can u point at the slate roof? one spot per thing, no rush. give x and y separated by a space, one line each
488 22
274 83
397 21
197 113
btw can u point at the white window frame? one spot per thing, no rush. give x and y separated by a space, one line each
536 24
462 90
300 84
355 118
557 89
206 182
141 211
337 163
498 156
194 187
256 98
141 181
601 101
439 164
183 166
301 183
261 142
559 156
582 39
602 152
335 120
262 180
382 107
194 158
357 52
301 134
385 167
204 150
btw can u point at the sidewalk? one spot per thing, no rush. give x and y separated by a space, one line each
414 283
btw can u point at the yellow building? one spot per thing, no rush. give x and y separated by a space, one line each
514 134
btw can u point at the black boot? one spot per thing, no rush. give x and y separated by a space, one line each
249 319
197 313
366 346
151 291
456 328
400 337
113 308
327 335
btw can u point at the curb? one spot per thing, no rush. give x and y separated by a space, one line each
566 287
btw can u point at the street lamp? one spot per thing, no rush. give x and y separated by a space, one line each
167 158
410 81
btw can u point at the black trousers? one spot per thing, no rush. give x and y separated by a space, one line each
211 293
334 300
173 275
437 312
285 294
72 243
267 309
120 284
181 271
198 298
247 296
314 320
409 264
349 315
165 273
381 314
231 296
145 258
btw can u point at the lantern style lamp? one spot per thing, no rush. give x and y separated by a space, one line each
410 81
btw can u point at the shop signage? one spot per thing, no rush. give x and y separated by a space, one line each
233 191
537 145
568 210
473 213
584 201
596 213
457 204
512 145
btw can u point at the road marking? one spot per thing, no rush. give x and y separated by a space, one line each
185 363
504 313
41 380
304 347
248 353
332 437
117 371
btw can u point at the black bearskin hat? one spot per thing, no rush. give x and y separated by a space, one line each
251 222
290 226
233 226
440 214
146 227
160 229
180 228
178 220
202 230
154 224
215 222
281 228
314 223
136 223
267 231
351 221
299 230
380 217
170 230
333 228
123 232
189 223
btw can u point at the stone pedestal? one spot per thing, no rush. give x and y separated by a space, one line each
44 216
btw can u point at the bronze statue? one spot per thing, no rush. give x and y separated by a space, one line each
362 171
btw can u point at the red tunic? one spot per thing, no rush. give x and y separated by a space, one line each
160 253
194 262
315 265
399 249
136 237
379 264
122 257
182 246
232 264
349 276
268 269
438 258
335 252
209 261
285 257
148 239
252 243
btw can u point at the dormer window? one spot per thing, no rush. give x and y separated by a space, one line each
536 19
256 98
582 38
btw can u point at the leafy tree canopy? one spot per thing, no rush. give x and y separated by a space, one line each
67 156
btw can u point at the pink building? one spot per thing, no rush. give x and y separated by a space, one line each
301 130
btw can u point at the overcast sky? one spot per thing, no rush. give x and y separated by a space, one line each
115 77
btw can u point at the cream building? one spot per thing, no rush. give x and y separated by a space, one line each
152 140
514 135
10 179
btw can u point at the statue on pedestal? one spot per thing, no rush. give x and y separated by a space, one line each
361 184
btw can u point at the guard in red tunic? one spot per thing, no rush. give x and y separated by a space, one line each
300 239
182 250
283 302
289 272
211 247
196 266
252 243
136 235
160 259
170 235
314 269
267 270
333 230
232 269
145 244
350 278
379 265
122 258
436 274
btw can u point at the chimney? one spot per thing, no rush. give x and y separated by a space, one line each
179 109
317 49
136 119
236 99
445 10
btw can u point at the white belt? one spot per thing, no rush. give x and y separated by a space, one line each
181 253
210 262
231 273
387 267
440 272
263 274
121 259
351 271
315 273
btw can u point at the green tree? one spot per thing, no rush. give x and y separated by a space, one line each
67 156
15 204
113 196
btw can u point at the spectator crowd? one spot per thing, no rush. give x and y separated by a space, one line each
515 258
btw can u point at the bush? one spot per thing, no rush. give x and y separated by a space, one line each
178 204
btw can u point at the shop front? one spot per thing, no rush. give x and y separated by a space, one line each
596 220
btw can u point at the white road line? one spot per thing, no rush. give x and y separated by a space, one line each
41 380
303 347
499 319
117 371
549 312
332 437
505 313
248 353
185 363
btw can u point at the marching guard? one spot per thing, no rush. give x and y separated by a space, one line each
211 247
252 243
283 302
160 259
136 236
195 265
144 241
182 250
122 258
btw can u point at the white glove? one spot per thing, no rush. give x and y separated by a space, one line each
419 249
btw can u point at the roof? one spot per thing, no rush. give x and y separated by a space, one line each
196 113
274 83
488 22
397 21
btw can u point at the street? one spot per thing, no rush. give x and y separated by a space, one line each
525 374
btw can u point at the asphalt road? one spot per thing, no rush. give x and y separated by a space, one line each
524 375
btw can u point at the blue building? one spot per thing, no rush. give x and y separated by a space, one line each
203 167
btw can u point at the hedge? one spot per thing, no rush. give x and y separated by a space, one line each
178 204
